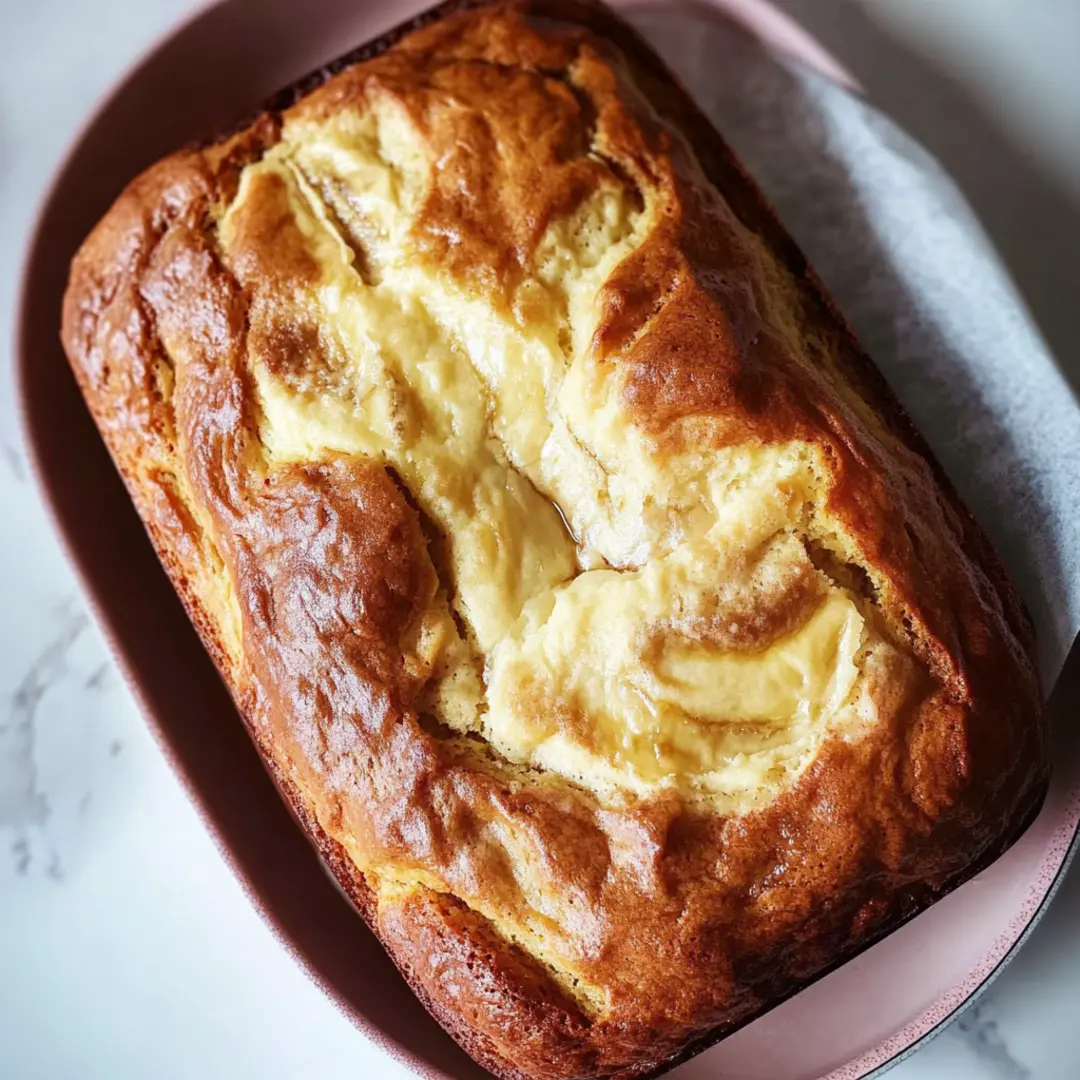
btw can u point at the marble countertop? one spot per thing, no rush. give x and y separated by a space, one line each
127 948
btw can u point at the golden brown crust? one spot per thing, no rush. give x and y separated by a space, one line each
685 922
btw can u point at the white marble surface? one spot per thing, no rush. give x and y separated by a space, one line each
127 950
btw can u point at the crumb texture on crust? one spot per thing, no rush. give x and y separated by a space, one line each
564 553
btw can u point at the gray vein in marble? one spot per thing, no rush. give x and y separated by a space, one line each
14 462
20 851
22 804
55 870
984 1038
99 677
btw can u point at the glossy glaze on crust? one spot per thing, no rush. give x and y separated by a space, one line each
592 599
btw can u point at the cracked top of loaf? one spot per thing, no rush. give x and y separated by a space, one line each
589 594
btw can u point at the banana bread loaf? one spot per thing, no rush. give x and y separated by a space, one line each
592 599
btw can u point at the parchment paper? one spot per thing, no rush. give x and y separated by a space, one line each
912 270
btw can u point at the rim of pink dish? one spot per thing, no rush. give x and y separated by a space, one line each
200 76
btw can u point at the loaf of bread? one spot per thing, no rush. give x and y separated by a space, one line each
598 609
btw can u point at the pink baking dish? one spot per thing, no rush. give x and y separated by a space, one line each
213 69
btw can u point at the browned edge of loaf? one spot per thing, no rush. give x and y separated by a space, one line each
742 193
